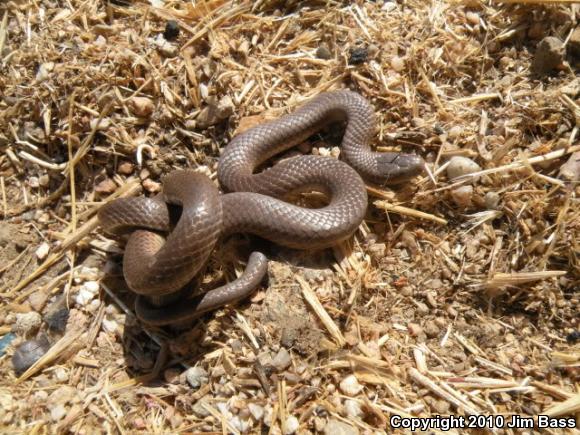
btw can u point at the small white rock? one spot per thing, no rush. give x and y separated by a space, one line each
282 359
61 374
350 386
462 195
27 323
292 425
196 376
57 412
87 293
109 326
459 166
101 125
389 6
240 424
33 182
87 274
492 200
257 411
398 63
353 409
199 409
268 411
42 251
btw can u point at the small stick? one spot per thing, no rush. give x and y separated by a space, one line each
321 312
410 212
476 98
4 201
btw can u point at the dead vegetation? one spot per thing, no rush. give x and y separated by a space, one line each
457 296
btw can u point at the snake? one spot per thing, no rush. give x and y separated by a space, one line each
166 248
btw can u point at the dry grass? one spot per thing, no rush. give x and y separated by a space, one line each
435 307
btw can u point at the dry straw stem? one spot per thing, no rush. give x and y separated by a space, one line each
453 398
568 407
319 310
409 212
502 280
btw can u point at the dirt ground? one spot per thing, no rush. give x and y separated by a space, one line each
457 297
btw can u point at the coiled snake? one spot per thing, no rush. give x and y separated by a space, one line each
160 259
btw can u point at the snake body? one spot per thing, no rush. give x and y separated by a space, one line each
160 259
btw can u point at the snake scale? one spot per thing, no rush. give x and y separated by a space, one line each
161 258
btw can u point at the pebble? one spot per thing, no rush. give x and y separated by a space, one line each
199 409
44 180
87 293
491 200
455 132
61 374
109 325
431 329
214 113
171 30
472 17
292 425
268 415
125 168
358 55
350 386
459 166
33 182
57 412
166 48
462 195
27 323
257 411
570 171
353 409
101 125
86 273
38 299
142 107
397 63
42 251
337 427
28 353
196 376
414 329
44 71
282 359
151 186
422 308
106 187
240 424
549 54
322 52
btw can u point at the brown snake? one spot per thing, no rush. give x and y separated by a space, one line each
161 258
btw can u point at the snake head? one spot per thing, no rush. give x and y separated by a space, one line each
396 168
